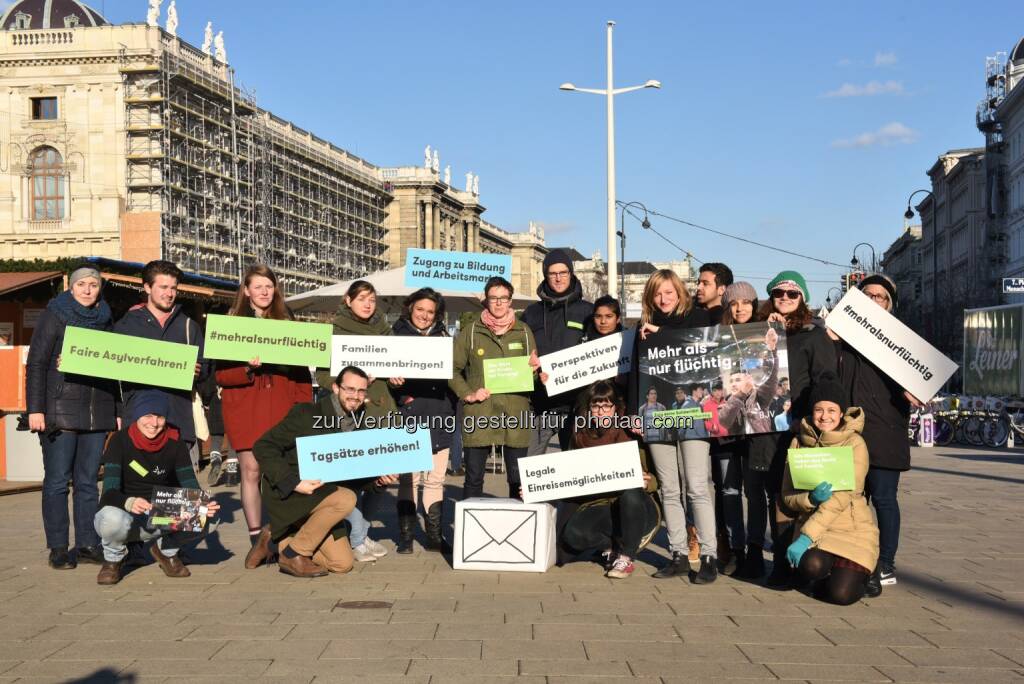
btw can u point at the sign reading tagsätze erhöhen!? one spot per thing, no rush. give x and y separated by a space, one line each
581 365
341 456
462 271
289 343
898 351
580 472
393 356
125 357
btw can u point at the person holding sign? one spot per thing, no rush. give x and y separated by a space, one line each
72 414
810 353
255 397
431 404
308 517
492 420
144 455
835 538
887 415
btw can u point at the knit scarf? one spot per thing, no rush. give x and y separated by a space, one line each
70 312
151 446
498 326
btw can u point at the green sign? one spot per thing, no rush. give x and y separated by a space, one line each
509 375
811 467
290 343
125 357
695 412
992 345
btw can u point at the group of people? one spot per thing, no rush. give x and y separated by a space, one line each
695 478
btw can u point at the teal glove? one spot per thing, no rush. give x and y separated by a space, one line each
797 549
821 493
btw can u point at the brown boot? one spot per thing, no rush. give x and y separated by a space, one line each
299 566
171 565
110 573
260 552
692 543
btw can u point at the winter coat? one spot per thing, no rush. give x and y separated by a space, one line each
427 400
473 345
139 322
67 401
210 394
253 402
811 353
558 322
279 464
345 323
749 414
886 409
843 525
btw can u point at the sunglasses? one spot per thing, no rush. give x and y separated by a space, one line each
789 294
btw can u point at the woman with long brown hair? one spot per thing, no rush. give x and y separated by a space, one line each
257 396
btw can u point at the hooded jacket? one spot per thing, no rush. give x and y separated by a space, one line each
428 400
843 525
345 323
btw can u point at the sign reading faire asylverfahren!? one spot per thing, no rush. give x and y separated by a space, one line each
125 357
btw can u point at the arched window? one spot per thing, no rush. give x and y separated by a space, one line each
47 184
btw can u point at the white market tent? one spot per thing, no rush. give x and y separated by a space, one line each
391 292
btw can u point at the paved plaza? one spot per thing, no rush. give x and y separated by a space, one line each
957 614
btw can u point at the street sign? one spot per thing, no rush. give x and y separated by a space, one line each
1013 285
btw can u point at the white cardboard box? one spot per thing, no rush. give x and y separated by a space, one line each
504 535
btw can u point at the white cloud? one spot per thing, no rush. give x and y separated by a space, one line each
893 133
868 89
883 59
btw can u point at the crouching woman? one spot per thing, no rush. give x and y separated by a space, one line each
144 455
837 539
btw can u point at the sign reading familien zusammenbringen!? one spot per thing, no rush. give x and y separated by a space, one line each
583 364
393 356
580 472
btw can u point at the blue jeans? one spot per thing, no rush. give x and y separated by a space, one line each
70 456
117 526
360 527
881 487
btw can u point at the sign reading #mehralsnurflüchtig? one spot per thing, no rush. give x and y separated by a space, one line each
290 343
462 271
125 357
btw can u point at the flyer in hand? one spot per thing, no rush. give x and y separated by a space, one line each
178 510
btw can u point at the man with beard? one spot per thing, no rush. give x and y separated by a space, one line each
711 283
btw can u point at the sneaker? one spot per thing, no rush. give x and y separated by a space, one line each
231 477
362 554
60 559
215 465
621 568
608 559
89 554
887 576
376 548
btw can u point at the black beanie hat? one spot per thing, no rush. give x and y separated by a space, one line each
828 388
879 279
557 256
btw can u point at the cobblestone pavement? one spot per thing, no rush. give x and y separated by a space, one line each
957 613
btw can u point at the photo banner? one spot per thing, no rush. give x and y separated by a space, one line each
393 356
126 357
342 456
461 271
810 467
883 339
580 472
718 381
289 343
583 364
509 375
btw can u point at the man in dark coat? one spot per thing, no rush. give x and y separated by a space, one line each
712 280
558 321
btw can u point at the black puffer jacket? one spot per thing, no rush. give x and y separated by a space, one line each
427 399
694 318
811 353
558 322
68 402
886 409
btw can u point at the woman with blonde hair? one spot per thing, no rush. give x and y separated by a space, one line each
683 465
255 397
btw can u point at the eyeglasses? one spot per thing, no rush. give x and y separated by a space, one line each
881 298
779 293
499 300
353 390
558 274
602 405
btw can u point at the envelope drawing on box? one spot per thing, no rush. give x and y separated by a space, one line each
498 535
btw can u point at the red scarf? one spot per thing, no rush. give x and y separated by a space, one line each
151 446
498 326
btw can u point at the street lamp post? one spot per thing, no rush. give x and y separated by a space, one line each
874 260
622 242
909 214
828 296
610 92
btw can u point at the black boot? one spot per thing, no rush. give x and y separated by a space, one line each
752 567
708 572
435 535
679 565
873 587
782 574
406 526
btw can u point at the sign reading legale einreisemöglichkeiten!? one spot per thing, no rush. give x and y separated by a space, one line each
463 271
125 357
289 343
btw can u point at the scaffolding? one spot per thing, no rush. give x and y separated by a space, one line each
235 185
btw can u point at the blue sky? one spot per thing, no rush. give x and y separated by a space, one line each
804 125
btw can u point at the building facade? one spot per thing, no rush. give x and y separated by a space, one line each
902 264
1009 118
526 248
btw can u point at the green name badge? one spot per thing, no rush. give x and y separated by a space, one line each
290 343
137 467
574 324
810 467
515 345
125 357
156 520
509 375
695 412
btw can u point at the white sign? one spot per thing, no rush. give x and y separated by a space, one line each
503 534
393 356
1013 285
897 350
579 472
583 364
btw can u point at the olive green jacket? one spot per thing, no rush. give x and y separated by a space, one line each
345 323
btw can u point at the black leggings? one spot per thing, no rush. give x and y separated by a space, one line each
839 585
620 525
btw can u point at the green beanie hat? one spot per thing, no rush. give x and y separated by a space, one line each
791 278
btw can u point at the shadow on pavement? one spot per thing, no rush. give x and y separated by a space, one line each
103 677
957 594
977 476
